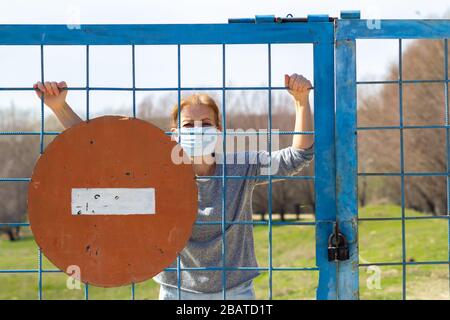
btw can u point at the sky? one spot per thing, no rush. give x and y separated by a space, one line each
201 65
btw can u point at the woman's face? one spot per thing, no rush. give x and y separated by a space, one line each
197 116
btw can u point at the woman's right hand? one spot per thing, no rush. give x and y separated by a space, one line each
54 97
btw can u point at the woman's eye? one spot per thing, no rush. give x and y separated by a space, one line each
191 125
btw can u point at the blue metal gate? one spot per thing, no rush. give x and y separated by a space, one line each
316 29
335 130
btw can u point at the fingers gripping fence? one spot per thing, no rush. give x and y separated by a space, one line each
335 176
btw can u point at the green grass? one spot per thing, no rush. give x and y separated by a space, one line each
381 241
292 246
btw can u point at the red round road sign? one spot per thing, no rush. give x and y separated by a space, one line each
106 197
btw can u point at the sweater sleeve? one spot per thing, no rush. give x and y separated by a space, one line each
285 162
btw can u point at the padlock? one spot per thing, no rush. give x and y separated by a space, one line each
343 251
338 249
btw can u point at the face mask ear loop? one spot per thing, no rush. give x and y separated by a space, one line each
213 136
217 137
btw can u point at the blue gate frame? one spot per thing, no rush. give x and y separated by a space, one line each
316 29
348 29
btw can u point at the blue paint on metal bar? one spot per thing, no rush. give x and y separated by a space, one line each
406 127
409 263
246 269
206 269
399 174
87 83
241 20
264 18
267 177
273 19
335 191
41 151
447 141
29 271
179 137
14 224
237 133
324 165
34 133
404 81
204 177
41 135
224 175
133 64
164 34
402 164
406 218
347 31
347 165
269 189
280 223
40 274
318 18
230 88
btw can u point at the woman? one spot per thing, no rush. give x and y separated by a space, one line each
199 113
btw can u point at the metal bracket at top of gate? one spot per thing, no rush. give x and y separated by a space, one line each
288 18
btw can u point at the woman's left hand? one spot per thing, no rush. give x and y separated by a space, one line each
298 86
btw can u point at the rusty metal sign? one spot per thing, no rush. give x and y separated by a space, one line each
106 197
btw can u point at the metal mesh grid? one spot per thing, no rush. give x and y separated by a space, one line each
402 174
224 177
350 29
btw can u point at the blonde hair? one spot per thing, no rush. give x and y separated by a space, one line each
196 99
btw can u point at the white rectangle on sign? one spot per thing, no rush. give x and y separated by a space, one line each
113 201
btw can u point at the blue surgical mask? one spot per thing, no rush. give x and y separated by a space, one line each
198 141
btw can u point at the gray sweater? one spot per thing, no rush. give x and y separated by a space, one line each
204 248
